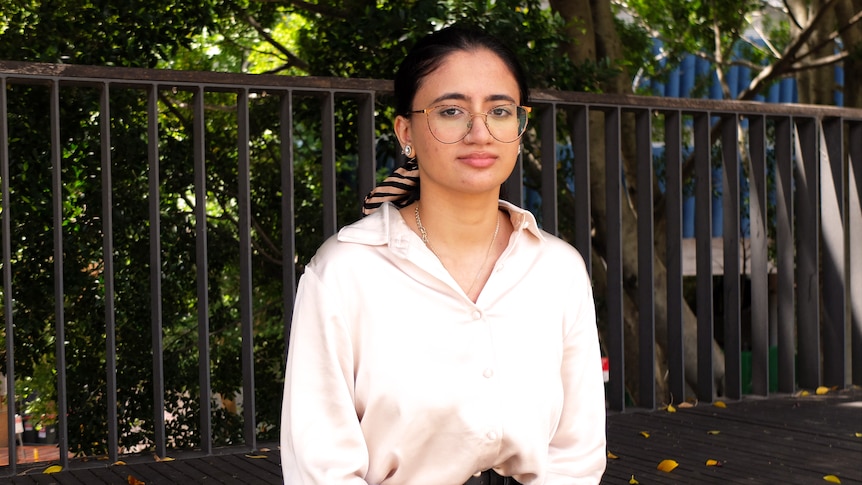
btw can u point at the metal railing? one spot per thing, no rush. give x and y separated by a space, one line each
814 239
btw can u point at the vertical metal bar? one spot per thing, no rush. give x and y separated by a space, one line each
108 272
616 354
549 169
759 258
786 294
703 238
808 250
59 291
513 188
646 255
288 223
673 256
327 115
8 313
854 224
245 279
731 281
156 271
201 260
367 169
583 208
832 226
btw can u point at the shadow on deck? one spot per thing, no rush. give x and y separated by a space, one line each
782 439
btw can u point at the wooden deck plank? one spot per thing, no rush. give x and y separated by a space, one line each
782 439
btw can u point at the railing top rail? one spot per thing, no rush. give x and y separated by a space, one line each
717 107
30 72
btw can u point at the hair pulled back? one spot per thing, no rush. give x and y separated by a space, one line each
430 52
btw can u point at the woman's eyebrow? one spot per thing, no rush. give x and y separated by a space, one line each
463 97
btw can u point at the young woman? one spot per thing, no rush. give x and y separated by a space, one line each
445 338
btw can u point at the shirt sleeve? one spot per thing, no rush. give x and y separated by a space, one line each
321 440
577 453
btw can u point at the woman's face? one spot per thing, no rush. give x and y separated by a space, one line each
476 81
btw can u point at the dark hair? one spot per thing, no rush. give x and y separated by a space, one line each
430 51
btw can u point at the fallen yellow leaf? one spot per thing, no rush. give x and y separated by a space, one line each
612 456
719 404
821 391
858 435
670 408
134 481
832 479
53 469
667 465
255 455
713 463
804 393
119 462
633 481
685 405
713 431
159 458
645 434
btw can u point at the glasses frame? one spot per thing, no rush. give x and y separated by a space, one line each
473 115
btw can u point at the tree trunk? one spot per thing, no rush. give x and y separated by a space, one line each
852 38
815 85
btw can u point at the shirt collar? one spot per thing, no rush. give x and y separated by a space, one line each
386 226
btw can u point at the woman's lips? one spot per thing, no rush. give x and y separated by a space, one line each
479 159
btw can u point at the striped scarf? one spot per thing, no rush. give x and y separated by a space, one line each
401 188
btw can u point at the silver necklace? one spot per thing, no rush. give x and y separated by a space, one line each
424 234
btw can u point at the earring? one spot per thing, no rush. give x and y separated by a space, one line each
408 151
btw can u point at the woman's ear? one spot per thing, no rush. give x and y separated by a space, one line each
403 131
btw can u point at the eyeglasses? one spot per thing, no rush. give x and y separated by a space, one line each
450 123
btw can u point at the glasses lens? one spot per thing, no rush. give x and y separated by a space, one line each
450 124
507 122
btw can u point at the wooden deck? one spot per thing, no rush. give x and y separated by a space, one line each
783 439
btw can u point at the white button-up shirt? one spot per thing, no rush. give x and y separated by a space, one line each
395 377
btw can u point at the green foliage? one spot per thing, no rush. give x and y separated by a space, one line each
689 27
219 36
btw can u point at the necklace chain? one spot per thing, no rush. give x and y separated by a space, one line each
424 234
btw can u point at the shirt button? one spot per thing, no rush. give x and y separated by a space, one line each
489 372
491 435
478 474
477 315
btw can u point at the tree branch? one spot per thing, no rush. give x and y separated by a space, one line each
831 37
789 58
291 58
821 62
790 14
320 9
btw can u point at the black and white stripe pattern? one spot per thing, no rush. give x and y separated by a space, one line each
401 188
